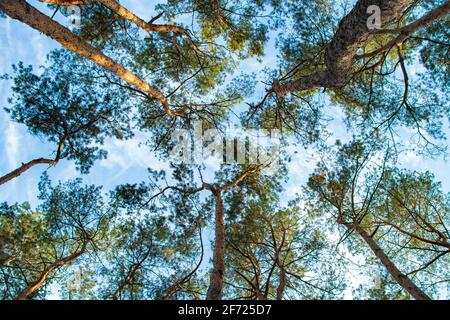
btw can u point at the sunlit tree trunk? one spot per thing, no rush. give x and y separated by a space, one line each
215 289
281 284
27 166
44 275
22 11
124 13
130 16
65 2
399 277
352 34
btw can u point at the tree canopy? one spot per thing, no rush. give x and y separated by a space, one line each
230 226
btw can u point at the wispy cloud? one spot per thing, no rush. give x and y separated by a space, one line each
12 143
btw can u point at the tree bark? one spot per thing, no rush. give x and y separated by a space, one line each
126 282
281 284
130 275
65 2
130 16
23 168
124 13
22 11
404 33
215 289
44 275
352 34
399 277
26 166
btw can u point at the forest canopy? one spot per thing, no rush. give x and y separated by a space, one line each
228 97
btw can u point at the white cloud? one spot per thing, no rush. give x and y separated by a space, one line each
12 142
39 49
410 159
123 155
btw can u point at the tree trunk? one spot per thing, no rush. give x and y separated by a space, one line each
24 167
130 16
22 11
126 282
125 14
130 275
215 289
44 275
65 2
399 277
352 34
281 284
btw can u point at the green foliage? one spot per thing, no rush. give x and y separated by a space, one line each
65 103
405 212
146 240
71 217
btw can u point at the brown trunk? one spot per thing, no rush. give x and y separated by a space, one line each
352 34
126 282
65 2
44 275
32 163
260 296
215 289
407 31
173 288
22 11
130 16
399 277
130 275
281 284
124 13
23 168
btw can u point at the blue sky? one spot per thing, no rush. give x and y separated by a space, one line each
127 161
